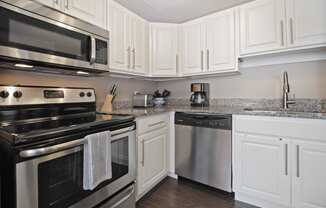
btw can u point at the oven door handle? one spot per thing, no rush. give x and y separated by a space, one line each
56 148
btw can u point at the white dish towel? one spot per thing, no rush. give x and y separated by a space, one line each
97 159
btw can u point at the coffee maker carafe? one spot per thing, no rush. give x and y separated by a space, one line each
200 94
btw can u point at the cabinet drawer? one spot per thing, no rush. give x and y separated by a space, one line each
283 127
151 123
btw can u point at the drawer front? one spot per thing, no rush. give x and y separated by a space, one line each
283 127
151 123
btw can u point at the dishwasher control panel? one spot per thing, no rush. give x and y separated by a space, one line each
216 121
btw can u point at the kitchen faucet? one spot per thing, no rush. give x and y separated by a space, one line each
286 91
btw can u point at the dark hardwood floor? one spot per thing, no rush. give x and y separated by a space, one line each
186 194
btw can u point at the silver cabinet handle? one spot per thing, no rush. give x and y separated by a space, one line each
129 57
118 203
207 59
93 50
177 62
134 58
202 59
291 31
298 161
157 123
143 153
56 148
282 32
286 160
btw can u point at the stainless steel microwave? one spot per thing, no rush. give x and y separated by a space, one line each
32 32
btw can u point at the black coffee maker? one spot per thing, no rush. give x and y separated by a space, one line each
200 94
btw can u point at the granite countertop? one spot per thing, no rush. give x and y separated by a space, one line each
139 112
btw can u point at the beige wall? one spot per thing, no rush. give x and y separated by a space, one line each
102 85
307 80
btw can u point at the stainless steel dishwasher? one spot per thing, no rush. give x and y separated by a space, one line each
203 148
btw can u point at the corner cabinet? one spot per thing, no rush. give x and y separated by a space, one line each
279 162
164 57
152 139
129 41
94 12
209 44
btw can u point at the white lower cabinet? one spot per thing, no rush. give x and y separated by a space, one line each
263 167
152 152
278 164
309 182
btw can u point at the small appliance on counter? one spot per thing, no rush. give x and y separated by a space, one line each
200 94
160 98
142 100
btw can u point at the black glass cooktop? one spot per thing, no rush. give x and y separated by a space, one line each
34 123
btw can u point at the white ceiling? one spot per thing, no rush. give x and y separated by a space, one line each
176 11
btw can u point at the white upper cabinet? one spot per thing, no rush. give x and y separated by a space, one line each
129 41
262 26
139 39
193 47
310 171
56 4
306 22
120 49
220 41
94 12
209 44
164 49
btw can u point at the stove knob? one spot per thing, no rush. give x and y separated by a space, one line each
18 94
82 94
89 94
4 94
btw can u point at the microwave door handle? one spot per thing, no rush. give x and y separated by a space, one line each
93 50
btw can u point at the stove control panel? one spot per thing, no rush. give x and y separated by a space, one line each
27 95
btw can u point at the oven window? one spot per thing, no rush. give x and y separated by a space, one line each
60 181
23 32
120 158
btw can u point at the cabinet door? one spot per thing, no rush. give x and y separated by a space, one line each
262 169
55 4
262 26
193 51
139 49
309 175
120 50
220 41
164 49
94 12
306 22
151 159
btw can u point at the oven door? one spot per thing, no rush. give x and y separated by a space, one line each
28 36
56 180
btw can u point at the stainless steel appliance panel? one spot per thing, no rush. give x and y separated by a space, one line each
204 155
92 41
125 199
28 176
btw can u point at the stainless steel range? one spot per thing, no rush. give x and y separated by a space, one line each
42 136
